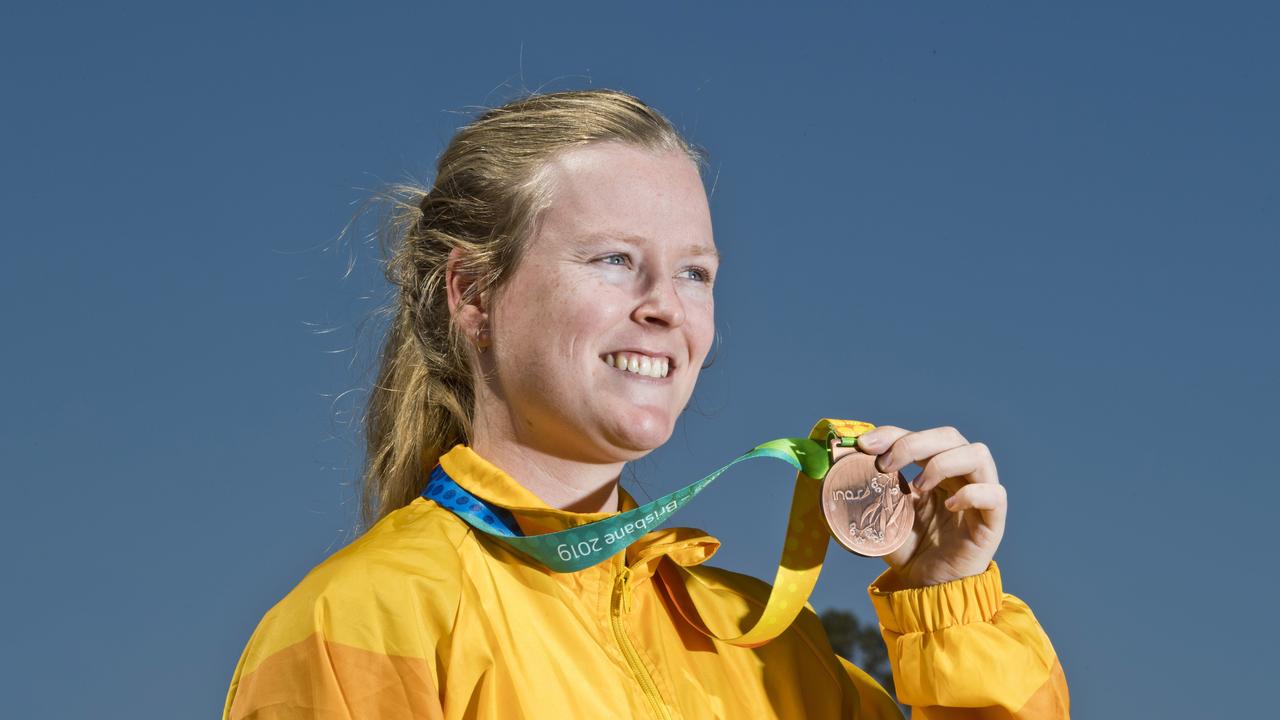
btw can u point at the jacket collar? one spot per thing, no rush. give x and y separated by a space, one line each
685 546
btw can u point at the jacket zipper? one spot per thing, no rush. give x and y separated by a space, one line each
621 604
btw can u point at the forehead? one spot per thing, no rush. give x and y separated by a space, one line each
611 188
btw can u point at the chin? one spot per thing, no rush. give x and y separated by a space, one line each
643 433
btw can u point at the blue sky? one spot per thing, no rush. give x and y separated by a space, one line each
1052 227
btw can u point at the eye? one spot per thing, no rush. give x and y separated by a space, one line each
621 259
699 274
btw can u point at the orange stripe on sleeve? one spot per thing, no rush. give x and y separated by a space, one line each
324 680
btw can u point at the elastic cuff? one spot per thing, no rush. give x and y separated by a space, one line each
970 599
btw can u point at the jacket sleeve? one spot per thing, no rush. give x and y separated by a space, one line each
965 649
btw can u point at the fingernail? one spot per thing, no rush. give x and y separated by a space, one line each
868 442
883 463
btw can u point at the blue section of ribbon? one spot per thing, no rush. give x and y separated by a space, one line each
475 511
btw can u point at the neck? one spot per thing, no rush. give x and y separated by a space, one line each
561 482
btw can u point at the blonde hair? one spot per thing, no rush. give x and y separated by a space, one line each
488 193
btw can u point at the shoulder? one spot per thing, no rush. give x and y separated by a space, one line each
406 569
418 542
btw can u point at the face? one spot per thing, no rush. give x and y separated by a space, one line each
618 273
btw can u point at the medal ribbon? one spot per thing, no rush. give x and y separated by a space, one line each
590 544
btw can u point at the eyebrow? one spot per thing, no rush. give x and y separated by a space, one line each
703 250
707 250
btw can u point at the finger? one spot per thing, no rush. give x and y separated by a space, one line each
972 461
874 442
918 446
989 499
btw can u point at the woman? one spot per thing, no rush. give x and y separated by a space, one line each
555 308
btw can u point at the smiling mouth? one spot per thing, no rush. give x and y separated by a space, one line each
644 365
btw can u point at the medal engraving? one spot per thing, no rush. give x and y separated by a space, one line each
870 513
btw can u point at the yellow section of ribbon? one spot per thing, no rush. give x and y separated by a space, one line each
840 428
802 554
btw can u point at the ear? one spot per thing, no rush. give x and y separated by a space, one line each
471 317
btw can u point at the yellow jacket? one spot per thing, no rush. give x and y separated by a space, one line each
421 617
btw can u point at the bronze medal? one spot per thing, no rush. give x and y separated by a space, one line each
869 512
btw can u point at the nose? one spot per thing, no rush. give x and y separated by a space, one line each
660 305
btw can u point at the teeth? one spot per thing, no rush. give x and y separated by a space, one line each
639 364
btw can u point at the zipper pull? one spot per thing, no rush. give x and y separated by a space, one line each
624 579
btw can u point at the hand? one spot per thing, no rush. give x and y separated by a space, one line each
959 502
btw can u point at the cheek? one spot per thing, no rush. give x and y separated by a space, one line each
594 310
703 323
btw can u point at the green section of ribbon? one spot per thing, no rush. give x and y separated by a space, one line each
587 545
